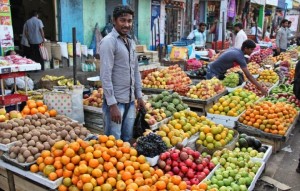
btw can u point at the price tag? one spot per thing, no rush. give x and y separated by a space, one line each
5 70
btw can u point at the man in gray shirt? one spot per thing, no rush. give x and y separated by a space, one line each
120 76
35 34
282 37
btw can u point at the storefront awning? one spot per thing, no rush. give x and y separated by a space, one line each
296 4
281 4
259 2
272 2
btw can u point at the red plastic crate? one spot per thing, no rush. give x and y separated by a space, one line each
218 45
13 99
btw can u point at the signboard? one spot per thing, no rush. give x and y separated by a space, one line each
6 31
294 19
272 2
296 4
6 36
259 2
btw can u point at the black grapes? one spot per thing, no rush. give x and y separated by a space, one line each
150 145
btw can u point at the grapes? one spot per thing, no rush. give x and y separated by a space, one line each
151 145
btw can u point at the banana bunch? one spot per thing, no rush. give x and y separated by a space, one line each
52 78
67 82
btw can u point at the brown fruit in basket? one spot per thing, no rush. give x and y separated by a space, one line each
53 136
20 122
13 139
16 149
31 143
25 129
21 158
46 146
43 121
37 155
26 153
35 117
68 138
37 124
19 143
77 131
29 117
43 138
14 133
35 138
19 130
39 146
7 126
20 137
23 141
22 149
6 141
27 136
51 142
27 121
15 124
34 150
63 133
30 159
6 135
12 155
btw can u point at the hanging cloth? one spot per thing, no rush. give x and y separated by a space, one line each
231 9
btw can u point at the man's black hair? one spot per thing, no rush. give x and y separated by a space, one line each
290 22
240 25
34 13
8 52
202 24
248 44
120 10
284 20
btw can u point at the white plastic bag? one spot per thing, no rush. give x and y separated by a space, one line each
67 103
84 50
64 49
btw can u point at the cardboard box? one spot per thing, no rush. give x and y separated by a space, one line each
140 48
153 55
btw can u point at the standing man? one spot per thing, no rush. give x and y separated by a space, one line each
35 34
282 37
200 34
240 35
120 76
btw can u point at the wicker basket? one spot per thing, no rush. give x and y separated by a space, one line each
47 84
56 51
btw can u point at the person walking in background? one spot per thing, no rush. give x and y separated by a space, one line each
240 35
34 33
25 44
120 76
282 37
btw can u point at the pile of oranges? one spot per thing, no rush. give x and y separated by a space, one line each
269 117
33 107
105 164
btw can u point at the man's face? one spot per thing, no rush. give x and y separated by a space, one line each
289 25
202 28
123 24
248 51
236 30
285 24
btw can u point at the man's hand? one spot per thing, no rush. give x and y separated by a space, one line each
115 114
141 103
264 92
278 50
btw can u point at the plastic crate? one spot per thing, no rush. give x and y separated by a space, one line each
218 45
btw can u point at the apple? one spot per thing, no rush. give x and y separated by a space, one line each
2 111
176 170
200 167
2 118
184 169
174 156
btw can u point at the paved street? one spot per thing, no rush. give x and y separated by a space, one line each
281 166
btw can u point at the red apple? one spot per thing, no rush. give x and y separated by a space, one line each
189 162
200 167
184 169
206 171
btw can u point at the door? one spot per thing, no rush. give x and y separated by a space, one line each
173 24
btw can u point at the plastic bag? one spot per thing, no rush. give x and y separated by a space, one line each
179 53
140 124
44 52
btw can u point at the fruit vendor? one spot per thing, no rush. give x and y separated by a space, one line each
231 58
199 35
120 76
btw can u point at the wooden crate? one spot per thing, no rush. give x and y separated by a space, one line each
93 121
3 179
23 184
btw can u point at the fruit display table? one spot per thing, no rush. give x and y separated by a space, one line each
202 106
276 141
13 178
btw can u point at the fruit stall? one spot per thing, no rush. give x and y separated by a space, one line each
207 136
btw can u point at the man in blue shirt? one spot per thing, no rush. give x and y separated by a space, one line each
200 34
234 57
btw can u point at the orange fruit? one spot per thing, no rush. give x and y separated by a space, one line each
203 186
160 185
88 186
26 111
106 187
70 153
86 178
41 110
96 173
39 160
41 166
67 173
59 172
32 105
75 159
83 168
97 154
93 163
45 153
62 188
52 176
34 168
49 160
70 166
112 173
65 160
126 175
121 185
52 113
112 181
39 103
110 143
57 165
